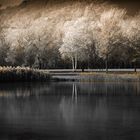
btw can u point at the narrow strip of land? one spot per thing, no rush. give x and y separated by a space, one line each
95 75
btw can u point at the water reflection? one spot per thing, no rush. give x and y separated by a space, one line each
74 92
69 111
68 88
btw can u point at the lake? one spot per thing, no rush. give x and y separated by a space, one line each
70 111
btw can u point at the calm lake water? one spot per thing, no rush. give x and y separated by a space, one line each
70 111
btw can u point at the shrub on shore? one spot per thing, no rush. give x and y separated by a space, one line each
25 74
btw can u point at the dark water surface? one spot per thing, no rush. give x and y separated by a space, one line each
70 111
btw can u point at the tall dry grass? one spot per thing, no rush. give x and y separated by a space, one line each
23 74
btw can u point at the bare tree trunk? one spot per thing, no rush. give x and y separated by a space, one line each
106 63
135 67
72 63
39 63
75 62
88 62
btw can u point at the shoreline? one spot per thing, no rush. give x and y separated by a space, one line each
98 77
25 74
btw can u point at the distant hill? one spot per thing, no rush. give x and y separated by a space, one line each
131 6
9 3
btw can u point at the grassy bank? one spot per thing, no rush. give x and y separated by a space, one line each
100 77
110 77
23 74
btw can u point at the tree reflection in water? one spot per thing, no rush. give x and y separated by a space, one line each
70 111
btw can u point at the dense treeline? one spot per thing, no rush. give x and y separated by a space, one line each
81 34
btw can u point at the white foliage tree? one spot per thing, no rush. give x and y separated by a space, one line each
77 38
109 32
4 47
131 32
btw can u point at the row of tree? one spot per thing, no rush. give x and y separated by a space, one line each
101 39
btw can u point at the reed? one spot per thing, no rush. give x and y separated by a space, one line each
23 74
